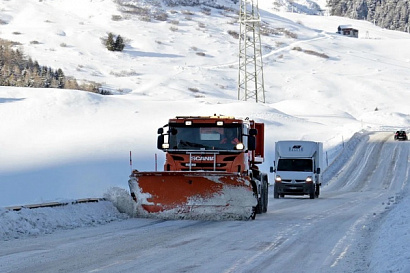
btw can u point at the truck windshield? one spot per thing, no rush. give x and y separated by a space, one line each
295 165
204 137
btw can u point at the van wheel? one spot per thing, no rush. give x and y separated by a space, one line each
312 191
317 192
275 192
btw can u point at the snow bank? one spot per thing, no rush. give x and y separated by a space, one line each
391 251
34 222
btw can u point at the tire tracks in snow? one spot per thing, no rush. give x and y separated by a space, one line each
356 173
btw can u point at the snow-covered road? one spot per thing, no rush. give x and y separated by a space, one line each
334 233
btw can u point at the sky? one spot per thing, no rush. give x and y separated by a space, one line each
62 145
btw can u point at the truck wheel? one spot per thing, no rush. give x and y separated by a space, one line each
259 206
265 194
317 191
253 215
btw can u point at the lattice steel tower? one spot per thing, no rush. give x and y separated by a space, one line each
250 80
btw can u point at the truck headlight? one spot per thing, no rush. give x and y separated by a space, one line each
239 146
278 179
165 146
309 179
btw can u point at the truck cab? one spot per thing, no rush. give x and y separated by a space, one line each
214 143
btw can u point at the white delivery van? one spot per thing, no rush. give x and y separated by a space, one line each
297 168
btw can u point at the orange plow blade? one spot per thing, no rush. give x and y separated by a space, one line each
192 195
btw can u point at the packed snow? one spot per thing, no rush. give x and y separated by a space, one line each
64 145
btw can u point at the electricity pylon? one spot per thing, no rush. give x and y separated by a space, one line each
250 80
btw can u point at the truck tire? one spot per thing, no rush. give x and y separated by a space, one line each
265 193
259 206
263 201
253 215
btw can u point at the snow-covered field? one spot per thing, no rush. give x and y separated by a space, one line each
61 145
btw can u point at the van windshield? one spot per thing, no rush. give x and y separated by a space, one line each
295 165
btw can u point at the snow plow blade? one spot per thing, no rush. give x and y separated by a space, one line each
192 195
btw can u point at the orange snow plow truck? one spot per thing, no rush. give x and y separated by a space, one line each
210 171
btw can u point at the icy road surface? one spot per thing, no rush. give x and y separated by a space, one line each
334 233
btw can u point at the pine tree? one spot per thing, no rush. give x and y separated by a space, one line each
119 44
390 14
109 43
61 78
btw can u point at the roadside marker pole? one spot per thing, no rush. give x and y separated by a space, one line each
130 161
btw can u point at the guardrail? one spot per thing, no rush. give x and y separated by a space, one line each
55 204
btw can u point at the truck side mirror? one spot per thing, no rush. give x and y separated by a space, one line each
160 131
160 141
253 132
251 143
318 171
272 169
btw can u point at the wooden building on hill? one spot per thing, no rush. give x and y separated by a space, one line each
347 30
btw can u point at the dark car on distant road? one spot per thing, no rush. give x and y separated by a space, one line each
400 135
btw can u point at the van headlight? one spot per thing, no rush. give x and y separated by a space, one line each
278 179
309 179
